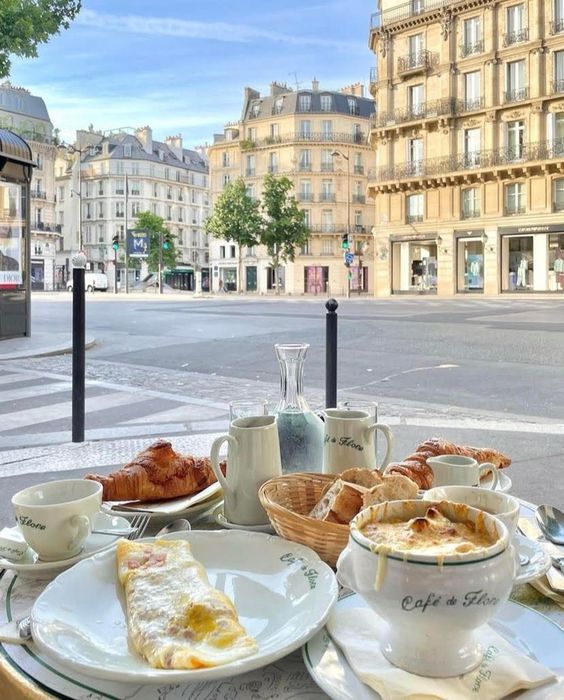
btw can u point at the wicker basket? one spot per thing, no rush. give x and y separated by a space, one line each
288 500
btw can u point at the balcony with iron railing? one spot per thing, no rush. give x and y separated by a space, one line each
305 196
304 167
558 205
414 218
471 48
514 210
327 228
327 197
306 137
327 167
250 172
38 194
359 169
471 212
406 11
272 168
432 109
557 26
517 95
516 37
359 199
373 77
476 161
415 62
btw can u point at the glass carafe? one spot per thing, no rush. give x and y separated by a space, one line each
300 430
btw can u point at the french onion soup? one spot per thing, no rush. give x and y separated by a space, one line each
433 533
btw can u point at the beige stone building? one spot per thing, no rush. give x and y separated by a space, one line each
469 140
318 139
26 115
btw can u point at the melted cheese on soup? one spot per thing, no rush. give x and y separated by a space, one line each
176 619
432 533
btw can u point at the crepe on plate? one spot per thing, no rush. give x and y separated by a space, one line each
176 619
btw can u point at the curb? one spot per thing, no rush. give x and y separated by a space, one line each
41 352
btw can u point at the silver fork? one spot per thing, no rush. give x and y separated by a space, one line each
139 524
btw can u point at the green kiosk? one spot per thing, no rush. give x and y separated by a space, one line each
16 165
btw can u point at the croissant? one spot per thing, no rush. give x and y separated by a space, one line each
155 474
437 446
416 468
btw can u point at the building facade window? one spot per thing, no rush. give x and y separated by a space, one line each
225 159
278 105
327 129
472 90
305 194
515 89
415 99
120 210
326 102
273 162
517 262
515 25
414 267
515 198
557 24
471 203
558 195
358 166
305 129
327 194
515 140
326 160
274 132
304 103
470 264
472 138
305 160
415 155
353 105
558 85
327 225
471 37
414 208
327 246
250 169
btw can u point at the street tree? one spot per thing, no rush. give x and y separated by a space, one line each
162 243
24 24
236 217
284 228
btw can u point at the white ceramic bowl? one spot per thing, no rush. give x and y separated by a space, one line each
503 506
432 607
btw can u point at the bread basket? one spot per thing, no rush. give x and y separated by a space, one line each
288 499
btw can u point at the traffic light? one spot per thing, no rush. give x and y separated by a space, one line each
345 242
115 242
167 240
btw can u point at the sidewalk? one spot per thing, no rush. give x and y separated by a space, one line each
39 345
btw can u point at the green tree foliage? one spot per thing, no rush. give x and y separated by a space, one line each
236 217
24 24
157 232
284 227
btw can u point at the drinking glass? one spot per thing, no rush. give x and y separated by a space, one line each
246 408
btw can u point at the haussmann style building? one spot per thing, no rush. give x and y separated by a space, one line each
468 132
318 139
122 173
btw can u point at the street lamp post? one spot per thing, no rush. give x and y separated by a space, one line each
347 158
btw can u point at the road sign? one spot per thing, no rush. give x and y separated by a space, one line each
349 257
137 243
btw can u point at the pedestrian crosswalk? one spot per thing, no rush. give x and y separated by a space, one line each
36 409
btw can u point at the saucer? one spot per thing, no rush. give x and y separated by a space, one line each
220 519
31 565
539 560
504 484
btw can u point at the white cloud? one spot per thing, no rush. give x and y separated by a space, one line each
214 31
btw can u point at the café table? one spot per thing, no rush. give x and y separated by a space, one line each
25 674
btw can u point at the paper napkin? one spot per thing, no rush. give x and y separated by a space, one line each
504 670
172 505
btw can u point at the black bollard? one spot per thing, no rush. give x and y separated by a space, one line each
331 353
78 354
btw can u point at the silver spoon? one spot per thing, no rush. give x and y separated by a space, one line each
179 525
551 522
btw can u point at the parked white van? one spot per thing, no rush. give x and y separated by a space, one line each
93 281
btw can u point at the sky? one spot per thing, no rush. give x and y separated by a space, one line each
180 66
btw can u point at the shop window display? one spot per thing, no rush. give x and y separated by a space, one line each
415 267
519 276
556 263
470 265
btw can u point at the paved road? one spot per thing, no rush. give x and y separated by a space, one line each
477 370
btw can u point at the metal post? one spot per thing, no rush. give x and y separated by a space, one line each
331 353
348 159
115 271
161 262
78 347
126 238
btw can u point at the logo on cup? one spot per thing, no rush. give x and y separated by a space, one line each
28 522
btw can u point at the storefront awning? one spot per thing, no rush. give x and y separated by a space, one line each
16 159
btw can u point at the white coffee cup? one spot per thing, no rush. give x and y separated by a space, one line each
502 505
56 517
253 457
350 438
457 470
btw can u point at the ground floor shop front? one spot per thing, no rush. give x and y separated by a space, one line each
504 259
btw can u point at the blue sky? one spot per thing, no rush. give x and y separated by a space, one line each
181 65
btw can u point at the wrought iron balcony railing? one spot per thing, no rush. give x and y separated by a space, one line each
359 199
272 168
558 206
327 197
517 95
304 167
448 106
471 212
373 75
305 137
477 160
514 210
414 218
38 194
250 172
557 26
327 228
414 62
305 196
516 37
327 167
471 48
558 85
359 169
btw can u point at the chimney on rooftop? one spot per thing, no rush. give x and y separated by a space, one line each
315 85
278 88
356 89
145 135
175 145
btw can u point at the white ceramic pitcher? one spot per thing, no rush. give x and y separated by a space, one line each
350 438
253 457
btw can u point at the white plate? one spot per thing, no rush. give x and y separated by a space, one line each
539 560
30 564
529 632
283 593
220 519
504 483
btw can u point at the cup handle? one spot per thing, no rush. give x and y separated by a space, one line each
83 529
386 430
214 457
519 575
489 467
344 569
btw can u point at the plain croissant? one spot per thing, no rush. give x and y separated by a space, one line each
156 474
416 468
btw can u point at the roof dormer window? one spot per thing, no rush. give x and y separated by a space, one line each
127 150
278 105
326 103
161 154
255 109
304 103
353 106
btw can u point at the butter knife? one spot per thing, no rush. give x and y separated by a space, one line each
554 575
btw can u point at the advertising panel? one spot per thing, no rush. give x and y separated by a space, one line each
137 243
11 225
